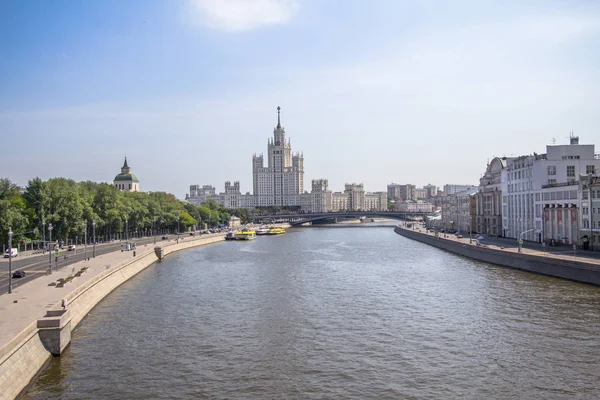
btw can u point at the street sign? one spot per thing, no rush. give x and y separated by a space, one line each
28 241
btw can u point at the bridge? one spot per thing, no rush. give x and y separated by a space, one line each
302 218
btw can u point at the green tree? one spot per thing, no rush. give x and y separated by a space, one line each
12 210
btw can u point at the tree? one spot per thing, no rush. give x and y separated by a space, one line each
12 210
186 219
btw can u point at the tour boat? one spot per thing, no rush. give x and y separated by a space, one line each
245 234
276 231
263 230
230 236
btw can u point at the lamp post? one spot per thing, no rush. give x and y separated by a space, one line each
178 229
85 238
154 230
94 238
43 236
49 243
10 234
126 234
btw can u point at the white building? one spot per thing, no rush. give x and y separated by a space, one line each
540 192
126 181
458 210
589 229
453 189
488 212
282 180
413 206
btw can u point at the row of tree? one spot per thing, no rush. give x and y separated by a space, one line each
71 207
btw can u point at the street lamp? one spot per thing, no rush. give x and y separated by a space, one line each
43 236
49 243
126 234
10 234
154 230
94 238
85 238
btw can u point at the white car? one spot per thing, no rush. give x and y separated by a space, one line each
480 237
71 247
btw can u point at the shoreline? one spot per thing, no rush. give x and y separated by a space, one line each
559 266
24 356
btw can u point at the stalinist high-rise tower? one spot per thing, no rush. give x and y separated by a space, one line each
280 183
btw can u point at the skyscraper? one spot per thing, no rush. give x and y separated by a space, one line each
279 183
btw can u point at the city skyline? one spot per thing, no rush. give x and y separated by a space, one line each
388 92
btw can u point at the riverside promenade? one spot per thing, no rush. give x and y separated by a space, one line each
580 266
21 351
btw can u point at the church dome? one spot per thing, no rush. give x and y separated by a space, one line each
126 177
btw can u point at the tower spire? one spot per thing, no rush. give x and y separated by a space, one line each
278 117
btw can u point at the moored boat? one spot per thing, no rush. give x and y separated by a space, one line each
276 231
263 230
230 236
245 234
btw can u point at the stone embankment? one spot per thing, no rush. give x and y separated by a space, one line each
578 269
47 335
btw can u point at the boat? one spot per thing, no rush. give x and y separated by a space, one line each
245 234
276 231
230 236
263 230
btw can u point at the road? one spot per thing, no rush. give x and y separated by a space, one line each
35 266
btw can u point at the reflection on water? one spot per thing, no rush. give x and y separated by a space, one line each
332 313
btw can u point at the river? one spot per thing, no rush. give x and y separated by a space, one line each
332 313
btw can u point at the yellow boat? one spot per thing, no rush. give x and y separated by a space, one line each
276 231
245 234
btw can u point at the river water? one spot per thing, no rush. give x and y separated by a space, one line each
332 313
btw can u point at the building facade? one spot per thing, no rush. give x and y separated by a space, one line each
282 180
413 206
589 229
541 194
488 210
453 189
458 211
126 181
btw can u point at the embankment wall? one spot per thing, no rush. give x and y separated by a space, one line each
574 270
23 357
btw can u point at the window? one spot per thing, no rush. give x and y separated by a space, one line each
584 194
570 170
551 169
589 169
551 181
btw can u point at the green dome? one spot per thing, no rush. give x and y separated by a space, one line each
126 177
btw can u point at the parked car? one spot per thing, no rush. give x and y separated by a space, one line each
72 247
165 237
18 274
15 252
480 237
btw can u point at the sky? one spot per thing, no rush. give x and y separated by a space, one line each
373 92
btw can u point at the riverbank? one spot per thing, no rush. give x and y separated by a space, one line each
34 326
579 269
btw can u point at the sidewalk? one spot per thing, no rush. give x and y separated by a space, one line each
508 245
30 302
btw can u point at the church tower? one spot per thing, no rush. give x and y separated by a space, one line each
126 181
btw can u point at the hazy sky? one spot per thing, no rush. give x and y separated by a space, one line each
420 91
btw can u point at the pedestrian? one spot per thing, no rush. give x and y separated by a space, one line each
64 304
